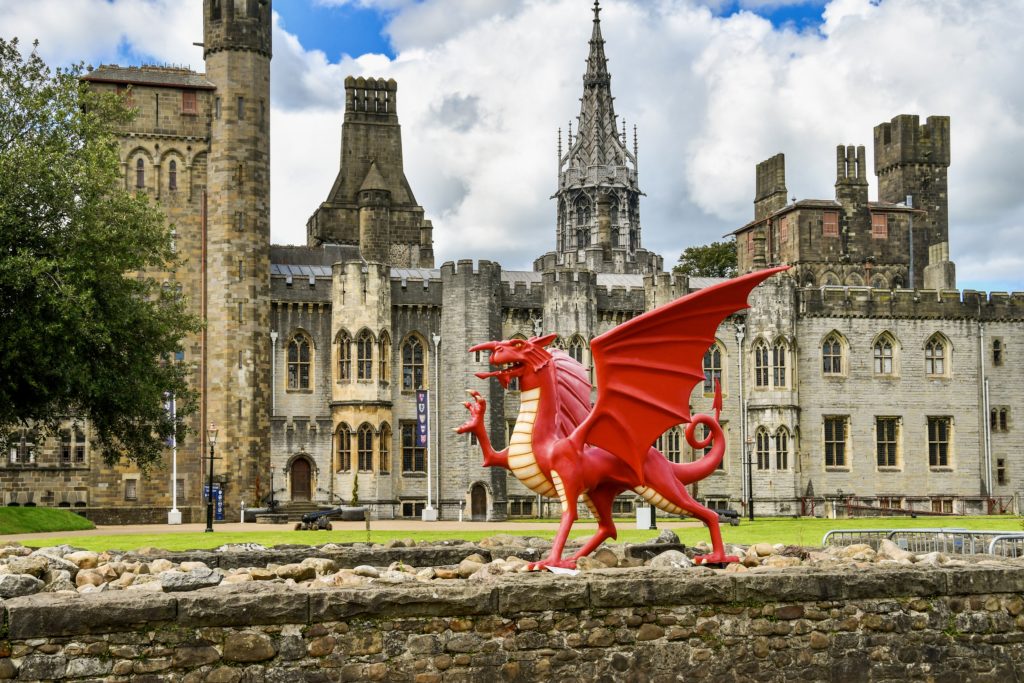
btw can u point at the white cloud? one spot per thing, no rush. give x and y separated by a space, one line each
484 86
100 31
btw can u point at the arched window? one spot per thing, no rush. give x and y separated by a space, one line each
384 461
299 350
140 173
172 175
832 355
673 444
576 345
582 213
712 367
782 448
761 363
830 280
384 374
882 352
364 448
343 448
779 353
613 212
935 357
412 364
344 356
364 355
762 445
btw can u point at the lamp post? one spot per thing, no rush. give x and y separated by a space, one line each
272 504
744 452
211 435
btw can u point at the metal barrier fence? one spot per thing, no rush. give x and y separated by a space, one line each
952 541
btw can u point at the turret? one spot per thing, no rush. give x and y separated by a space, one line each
770 195
236 346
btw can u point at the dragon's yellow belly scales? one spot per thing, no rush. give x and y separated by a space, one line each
521 459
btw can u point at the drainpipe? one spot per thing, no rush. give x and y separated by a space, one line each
740 328
986 413
273 373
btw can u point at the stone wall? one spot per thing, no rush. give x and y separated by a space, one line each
632 625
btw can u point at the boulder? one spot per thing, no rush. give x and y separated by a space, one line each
33 566
667 536
89 577
672 559
83 559
296 572
174 582
763 549
889 550
17 585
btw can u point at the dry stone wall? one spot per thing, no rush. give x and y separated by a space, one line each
891 623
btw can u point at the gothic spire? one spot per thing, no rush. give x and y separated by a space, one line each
599 144
597 63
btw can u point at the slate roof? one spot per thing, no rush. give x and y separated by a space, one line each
158 76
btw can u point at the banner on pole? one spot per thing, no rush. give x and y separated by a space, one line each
422 417
171 408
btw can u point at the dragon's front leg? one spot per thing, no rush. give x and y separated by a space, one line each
475 424
568 494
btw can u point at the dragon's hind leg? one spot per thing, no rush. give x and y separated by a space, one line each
601 502
676 492
568 493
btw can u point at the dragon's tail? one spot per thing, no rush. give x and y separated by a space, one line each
689 472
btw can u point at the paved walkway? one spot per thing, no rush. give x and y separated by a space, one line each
376 525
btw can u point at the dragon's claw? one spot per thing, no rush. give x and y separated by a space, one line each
717 557
567 563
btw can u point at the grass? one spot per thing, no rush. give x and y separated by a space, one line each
804 531
27 520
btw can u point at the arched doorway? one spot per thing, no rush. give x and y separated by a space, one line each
301 482
478 503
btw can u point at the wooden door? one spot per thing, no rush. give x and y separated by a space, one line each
300 479
478 503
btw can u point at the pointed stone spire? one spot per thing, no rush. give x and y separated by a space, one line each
598 197
597 63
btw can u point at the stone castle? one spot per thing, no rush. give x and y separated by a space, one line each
860 376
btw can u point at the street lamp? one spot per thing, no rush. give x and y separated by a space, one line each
211 435
272 489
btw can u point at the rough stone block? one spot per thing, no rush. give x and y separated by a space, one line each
649 586
541 591
243 605
402 601
49 615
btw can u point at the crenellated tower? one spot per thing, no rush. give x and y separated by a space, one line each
598 196
912 160
371 204
236 368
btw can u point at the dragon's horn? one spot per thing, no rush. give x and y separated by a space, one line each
545 340
486 346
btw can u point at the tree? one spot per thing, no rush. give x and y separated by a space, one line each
717 259
85 334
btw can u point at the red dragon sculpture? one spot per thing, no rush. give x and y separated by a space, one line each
562 447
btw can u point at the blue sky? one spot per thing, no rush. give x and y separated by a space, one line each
714 87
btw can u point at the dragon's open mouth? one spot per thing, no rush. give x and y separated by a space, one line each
504 373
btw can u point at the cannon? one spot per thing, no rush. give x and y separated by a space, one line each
321 520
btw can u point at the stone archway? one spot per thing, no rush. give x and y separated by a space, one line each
478 503
301 479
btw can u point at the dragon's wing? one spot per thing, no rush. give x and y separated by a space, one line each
647 368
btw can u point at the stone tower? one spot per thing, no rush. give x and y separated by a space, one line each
371 204
236 371
913 160
598 213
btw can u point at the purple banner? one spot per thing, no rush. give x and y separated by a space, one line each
422 417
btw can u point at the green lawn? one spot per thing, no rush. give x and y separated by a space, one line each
21 520
805 531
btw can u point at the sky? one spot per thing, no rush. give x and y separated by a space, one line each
713 86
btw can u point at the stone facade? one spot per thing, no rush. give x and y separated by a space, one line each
613 624
845 385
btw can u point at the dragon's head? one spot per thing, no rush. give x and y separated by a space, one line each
522 358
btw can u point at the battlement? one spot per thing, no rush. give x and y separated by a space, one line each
864 302
904 141
234 25
371 97
771 177
851 165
